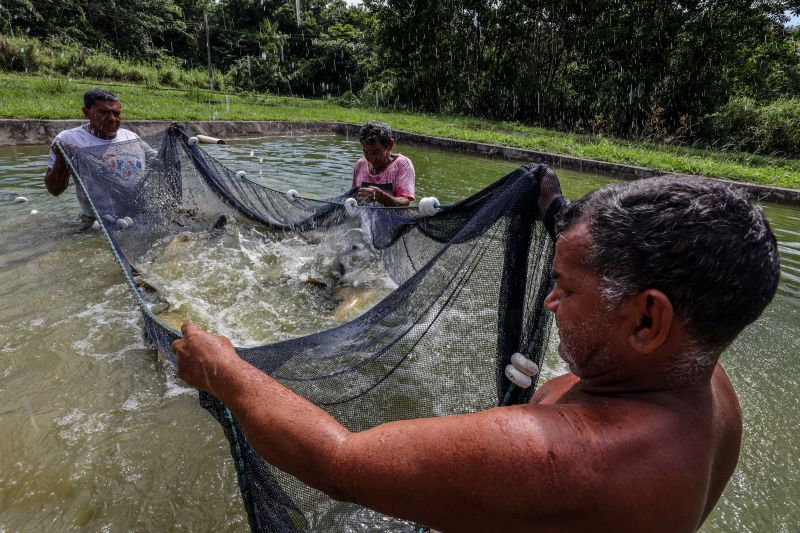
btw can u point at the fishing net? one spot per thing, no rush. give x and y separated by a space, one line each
466 292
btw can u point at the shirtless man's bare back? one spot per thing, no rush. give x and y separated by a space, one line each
641 435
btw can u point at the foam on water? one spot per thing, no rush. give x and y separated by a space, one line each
175 388
257 287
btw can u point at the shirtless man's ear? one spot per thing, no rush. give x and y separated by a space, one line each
651 321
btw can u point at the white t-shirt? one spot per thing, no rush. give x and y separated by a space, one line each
129 162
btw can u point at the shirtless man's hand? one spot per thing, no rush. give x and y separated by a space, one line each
204 360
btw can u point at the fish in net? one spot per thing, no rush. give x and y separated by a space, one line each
467 292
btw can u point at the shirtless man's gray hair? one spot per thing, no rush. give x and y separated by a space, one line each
647 276
702 242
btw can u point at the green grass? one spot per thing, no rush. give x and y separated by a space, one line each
26 96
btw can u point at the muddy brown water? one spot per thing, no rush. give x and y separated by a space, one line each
97 432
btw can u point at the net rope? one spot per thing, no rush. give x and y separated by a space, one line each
470 288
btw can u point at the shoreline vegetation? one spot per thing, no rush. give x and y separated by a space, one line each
27 96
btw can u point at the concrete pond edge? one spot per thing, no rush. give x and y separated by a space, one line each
32 131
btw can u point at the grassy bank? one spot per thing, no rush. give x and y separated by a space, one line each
37 97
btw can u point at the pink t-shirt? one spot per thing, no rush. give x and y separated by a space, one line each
399 175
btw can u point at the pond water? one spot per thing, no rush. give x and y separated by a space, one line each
98 432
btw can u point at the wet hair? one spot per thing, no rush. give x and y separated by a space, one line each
91 96
701 242
375 131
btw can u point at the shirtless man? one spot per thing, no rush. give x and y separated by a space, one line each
654 279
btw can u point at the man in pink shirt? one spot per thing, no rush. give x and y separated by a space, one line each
380 175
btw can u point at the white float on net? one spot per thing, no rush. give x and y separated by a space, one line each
350 206
205 139
241 174
191 141
292 195
518 378
524 365
429 206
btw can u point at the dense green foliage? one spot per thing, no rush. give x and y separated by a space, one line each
723 74
25 54
643 69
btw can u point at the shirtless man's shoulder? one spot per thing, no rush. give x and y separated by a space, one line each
636 459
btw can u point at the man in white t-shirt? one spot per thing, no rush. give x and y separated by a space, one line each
103 110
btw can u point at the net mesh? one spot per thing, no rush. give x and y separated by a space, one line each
470 286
